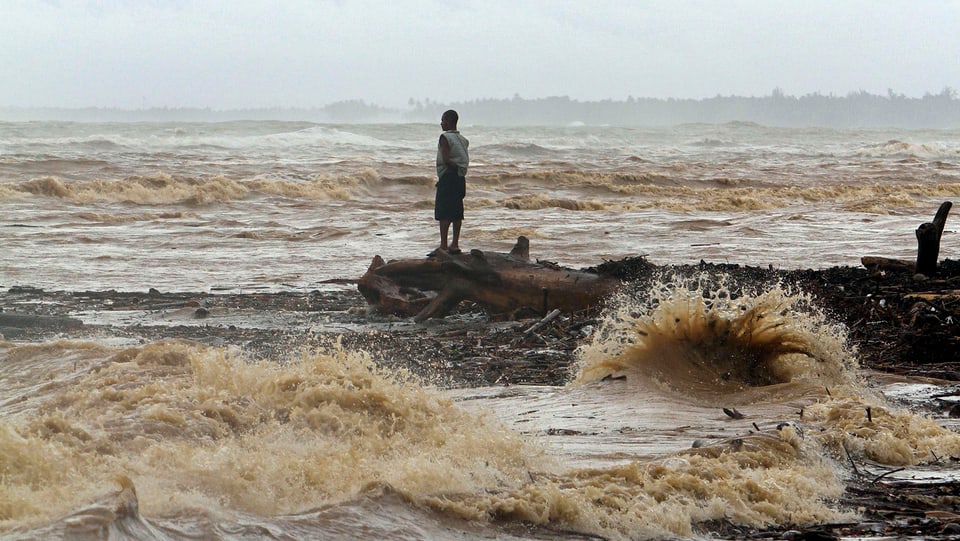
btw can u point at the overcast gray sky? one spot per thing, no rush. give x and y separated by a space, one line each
227 54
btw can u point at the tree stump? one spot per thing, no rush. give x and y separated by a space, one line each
928 241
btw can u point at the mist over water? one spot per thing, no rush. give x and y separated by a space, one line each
171 440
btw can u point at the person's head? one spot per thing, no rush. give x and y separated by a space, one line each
449 120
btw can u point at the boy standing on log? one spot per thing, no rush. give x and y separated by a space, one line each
452 163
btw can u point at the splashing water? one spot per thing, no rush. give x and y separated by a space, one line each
716 341
203 442
198 428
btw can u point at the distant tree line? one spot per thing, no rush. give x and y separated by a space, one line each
855 110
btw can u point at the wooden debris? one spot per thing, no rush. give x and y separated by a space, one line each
928 241
733 413
504 285
886 264
12 319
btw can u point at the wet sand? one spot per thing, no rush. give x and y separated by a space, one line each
461 350
894 328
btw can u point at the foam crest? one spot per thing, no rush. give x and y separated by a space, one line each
143 190
507 234
322 187
102 217
709 341
723 194
761 480
161 188
865 426
572 178
894 148
203 428
539 201
8 192
872 198
326 135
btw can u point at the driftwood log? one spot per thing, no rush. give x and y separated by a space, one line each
15 320
504 285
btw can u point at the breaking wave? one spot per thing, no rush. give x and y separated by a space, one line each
204 428
163 189
718 340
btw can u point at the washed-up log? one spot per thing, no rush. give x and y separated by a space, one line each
14 320
950 295
886 264
504 285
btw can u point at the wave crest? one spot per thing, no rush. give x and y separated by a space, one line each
207 428
537 201
161 188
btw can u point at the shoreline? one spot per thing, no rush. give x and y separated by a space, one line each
898 323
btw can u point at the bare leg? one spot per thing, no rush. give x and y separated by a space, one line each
455 245
444 231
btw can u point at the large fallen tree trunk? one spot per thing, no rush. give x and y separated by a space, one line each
504 285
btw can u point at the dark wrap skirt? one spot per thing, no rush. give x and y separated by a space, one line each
451 189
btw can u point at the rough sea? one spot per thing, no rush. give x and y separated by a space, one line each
106 440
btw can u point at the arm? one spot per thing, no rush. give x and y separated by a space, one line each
445 153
